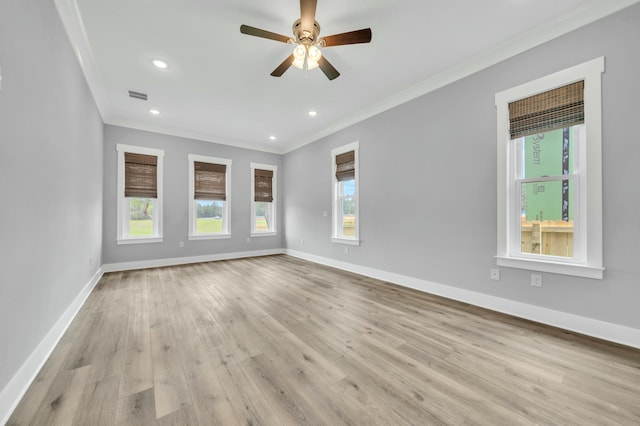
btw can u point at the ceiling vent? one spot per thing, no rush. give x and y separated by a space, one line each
138 95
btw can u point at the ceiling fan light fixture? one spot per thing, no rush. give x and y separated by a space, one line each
306 36
298 64
314 54
299 52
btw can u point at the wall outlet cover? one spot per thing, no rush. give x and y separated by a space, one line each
536 280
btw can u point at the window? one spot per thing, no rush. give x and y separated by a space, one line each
209 197
550 173
346 224
263 199
139 199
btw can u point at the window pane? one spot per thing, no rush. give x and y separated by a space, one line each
547 218
264 217
348 207
547 154
209 216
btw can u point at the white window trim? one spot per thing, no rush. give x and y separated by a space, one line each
589 263
335 237
122 225
226 232
274 184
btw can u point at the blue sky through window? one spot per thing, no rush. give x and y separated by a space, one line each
349 187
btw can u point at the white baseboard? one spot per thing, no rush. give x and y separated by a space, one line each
591 327
11 395
158 263
19 384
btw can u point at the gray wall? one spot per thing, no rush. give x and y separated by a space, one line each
50 179
431 164
176 206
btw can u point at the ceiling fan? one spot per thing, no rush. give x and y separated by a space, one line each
307 54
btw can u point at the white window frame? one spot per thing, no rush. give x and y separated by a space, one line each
274 184
587 260
226 219
122 203
335 204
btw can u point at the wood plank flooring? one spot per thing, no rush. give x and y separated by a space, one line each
280 341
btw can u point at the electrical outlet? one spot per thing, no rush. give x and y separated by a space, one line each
324 213
536 280
181 244
301 241
495 274
248 239
346 249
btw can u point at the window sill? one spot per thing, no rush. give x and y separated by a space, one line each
263 234
575 270
348 241
210 237
140 240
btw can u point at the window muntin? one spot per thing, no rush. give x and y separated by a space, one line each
545 184
263 199
346 224
209 197
583 256
139 194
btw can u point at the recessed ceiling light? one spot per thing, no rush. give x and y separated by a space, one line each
154 111
313 113
159 63
273 138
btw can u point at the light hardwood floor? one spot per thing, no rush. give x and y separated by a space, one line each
277 340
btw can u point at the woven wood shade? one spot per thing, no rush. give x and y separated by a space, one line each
263 185
555 109
210 181
140 175
346 166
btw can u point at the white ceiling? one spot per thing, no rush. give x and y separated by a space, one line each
218 88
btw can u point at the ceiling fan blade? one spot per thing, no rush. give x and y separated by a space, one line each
245 29
351 37
308 15
283 66
327 68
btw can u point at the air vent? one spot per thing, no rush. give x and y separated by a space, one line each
138 95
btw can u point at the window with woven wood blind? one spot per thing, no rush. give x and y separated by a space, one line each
345 206
140 175
345 166
263 199
550 110
139 194
209 197
263 185
550 173
210 181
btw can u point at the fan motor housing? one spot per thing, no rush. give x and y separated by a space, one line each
303 36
